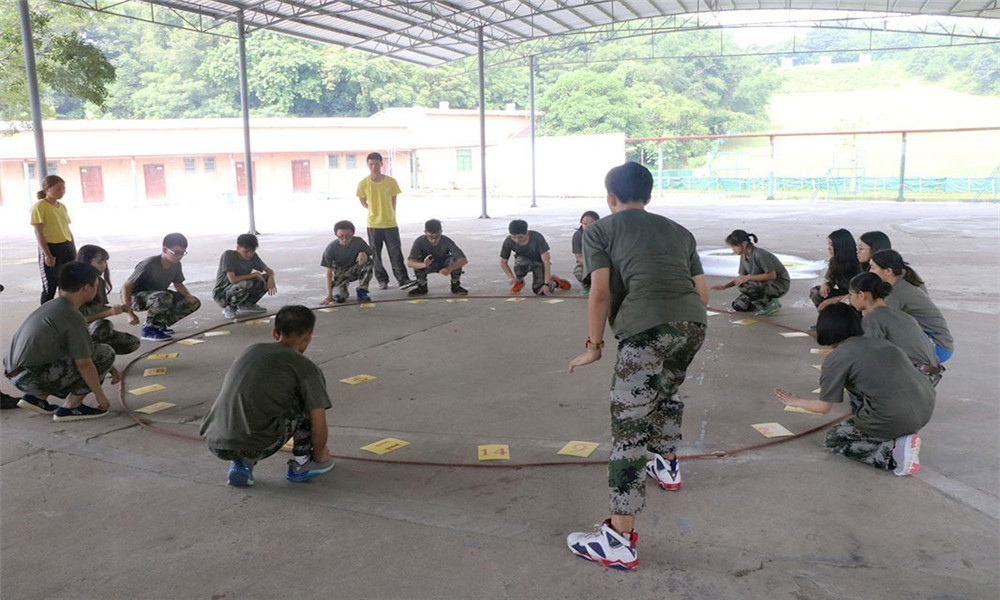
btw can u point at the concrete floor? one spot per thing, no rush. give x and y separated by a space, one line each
106 509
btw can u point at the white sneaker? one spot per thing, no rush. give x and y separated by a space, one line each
606 546
667 473
906 454
229 312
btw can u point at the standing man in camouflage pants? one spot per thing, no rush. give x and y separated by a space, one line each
146 289
647 282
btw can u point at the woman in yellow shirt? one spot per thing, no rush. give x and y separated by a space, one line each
55 240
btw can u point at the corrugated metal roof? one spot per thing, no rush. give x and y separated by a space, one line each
435 32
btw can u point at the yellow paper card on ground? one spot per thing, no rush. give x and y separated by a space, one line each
744 322
216 333
772 430
494 452
257 322
154 371
326 310
823 351
358 379
385 446
417 301
796 409
161 356
515 300
581 449
289 445
712 313
818 367
368 305
794 334
552 301
190 342
817 390
152 408
146 389
455 300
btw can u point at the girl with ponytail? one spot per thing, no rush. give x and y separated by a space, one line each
55 240
762 278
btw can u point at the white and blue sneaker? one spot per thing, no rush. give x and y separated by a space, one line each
297 472
667 473
606 546
906 455
240 474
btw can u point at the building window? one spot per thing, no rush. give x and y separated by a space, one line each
31 171
209 164
52 168
352 161
333 161
463 160
189 165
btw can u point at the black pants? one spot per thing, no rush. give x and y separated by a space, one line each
389 237
64 252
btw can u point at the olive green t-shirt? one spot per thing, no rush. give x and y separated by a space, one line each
266 386
653 262
895 398
902 330
54 331
151 276
910 299
761 261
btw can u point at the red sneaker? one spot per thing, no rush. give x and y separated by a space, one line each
517 287
562 283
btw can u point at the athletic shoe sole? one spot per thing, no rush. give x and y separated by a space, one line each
22 403
911 457
668 486
408 284
68 418
300 477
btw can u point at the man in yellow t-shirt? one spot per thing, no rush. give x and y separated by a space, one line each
378 193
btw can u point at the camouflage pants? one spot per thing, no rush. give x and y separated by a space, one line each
421 274
244 293
583 279
522 266
165 308
847 440
646 409
754 295
360 273
62 378
298 426
102 331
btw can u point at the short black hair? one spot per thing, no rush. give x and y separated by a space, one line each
374 156
871 283
175 239
836 323
248 241
74 275
630 182
294 320
343 225
518 227
432 226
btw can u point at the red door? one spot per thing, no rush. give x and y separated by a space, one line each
156 182
241 178
92 184
301 177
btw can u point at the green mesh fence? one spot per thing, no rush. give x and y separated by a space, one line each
982 187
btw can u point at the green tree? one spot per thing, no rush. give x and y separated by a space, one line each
588 102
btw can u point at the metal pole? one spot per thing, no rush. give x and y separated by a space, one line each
659 165
770 179
245 111
902 169
41 169
531 92
482 118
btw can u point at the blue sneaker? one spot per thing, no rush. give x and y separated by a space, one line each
297 472
36 405
240 474
151 333
363 296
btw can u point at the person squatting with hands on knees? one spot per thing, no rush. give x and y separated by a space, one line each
434 252
647 283
242 279
762 278
346 259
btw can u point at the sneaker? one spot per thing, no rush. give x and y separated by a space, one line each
151 333
297 472
906 455
363 295
769 309
339 299
561 283
240 474
585 291
517 287
458 290
606 546
420 290
250 309
8 401
229 312
36 405
667 473
383 285
407 284
80 413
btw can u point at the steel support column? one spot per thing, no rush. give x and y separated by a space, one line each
245 112
41 168
531 93
902 169
482 119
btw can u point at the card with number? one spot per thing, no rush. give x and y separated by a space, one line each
823 351
289 445
217 333
147 389
494 452
772 430
154 371
358 379
162 356
326 310
744 322
257 322
515 300
456 300
552 301
581 449
152 408
417 301
793 334
385 446
368 305
796 409
818 367
190 342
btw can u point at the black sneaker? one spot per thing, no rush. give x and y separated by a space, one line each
8 401
36 405
80 413
420 290
407 283
458 290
